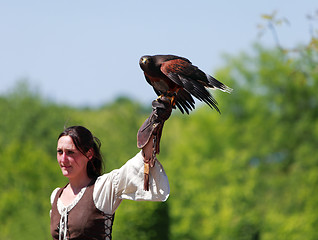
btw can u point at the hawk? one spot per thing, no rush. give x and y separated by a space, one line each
175 77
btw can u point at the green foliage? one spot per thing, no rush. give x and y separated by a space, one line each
30 126
249 173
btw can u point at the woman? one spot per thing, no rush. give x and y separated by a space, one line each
84 208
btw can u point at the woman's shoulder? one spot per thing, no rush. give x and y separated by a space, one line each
106 178
135 162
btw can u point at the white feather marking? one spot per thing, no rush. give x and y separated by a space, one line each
222 87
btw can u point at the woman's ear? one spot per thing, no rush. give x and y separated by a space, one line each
90 154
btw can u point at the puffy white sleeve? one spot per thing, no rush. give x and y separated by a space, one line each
53 194
127 183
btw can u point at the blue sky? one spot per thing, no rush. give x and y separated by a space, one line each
86 53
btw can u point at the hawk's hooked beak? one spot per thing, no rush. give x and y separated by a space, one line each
144 60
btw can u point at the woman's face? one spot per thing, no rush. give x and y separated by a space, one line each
71 161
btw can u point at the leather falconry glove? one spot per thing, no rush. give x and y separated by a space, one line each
152 127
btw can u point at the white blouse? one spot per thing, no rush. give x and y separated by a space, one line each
124 183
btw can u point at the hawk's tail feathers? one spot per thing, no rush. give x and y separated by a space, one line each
215 84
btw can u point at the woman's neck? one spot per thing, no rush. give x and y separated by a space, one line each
77 184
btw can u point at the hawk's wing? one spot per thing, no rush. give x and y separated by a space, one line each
184 100
191 79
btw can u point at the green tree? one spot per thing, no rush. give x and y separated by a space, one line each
250 172
30 126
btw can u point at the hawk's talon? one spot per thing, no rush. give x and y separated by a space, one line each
165 98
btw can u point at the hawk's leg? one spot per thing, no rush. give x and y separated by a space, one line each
171 96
